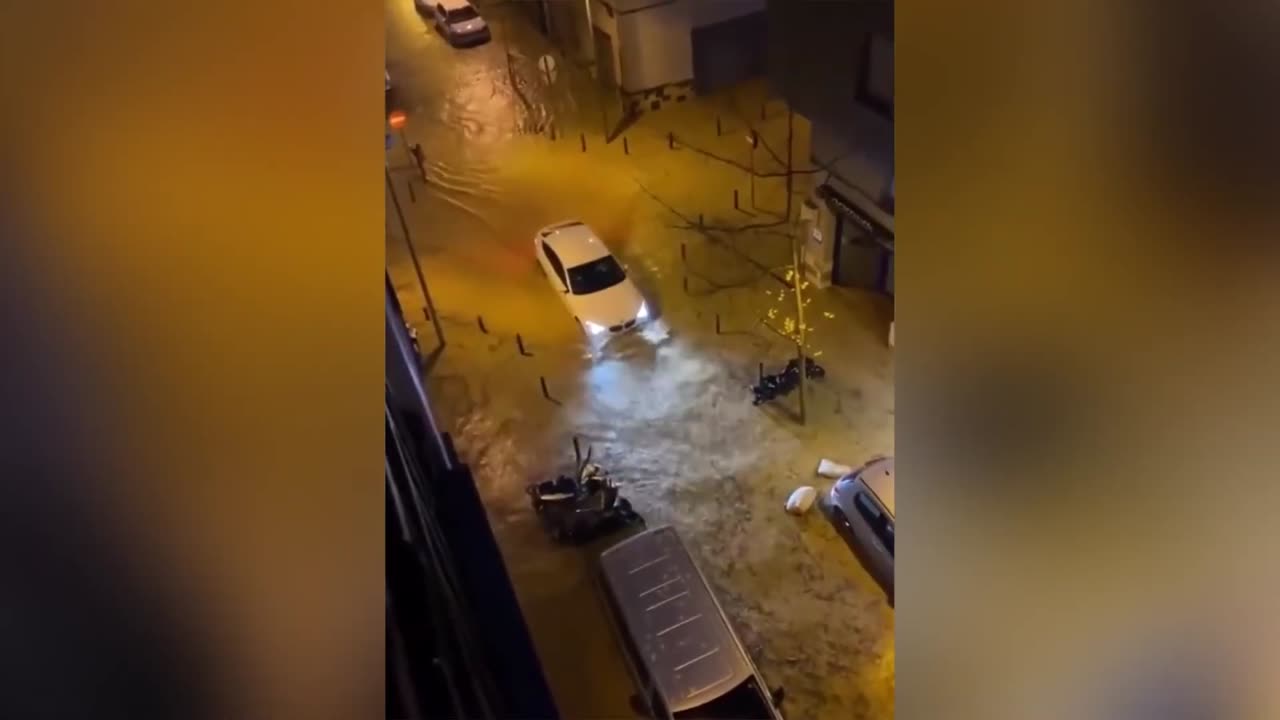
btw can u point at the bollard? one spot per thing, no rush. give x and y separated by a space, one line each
412 196
684 282
684 252
735 200
520 345
583 137
700 222
717 323
718 130
577 452
553 131
543 382
761 372
671 141
480 322
626 149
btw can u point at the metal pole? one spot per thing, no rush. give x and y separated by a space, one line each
511 74
800 333
790 135
417 267
753 170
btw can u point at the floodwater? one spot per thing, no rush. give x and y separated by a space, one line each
665 409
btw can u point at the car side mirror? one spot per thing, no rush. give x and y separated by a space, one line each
637 705
778 694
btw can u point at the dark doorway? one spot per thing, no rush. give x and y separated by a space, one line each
729 52
606 72
863 258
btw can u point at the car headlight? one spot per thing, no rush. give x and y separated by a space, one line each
643 312
593 328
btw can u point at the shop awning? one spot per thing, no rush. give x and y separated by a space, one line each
843 205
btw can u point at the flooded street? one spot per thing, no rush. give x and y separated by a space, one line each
666 408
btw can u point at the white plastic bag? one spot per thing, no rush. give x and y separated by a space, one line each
801 500
832 469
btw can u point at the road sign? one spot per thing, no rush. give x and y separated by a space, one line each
397 119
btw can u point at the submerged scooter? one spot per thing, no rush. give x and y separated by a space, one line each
581 507
772 386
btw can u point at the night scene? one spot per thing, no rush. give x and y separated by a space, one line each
640 380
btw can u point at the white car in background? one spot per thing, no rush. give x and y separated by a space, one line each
592 283
458 21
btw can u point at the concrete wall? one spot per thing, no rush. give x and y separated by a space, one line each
652 40
710 12
863 161
656 47
817 51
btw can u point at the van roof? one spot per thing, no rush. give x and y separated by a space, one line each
678 628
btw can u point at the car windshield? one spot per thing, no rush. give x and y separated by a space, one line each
462 14
744 702
596 275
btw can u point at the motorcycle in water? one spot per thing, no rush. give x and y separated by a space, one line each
771 386
582 507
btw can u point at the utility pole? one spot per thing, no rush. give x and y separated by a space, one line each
429 308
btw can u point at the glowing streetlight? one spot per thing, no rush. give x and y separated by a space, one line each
397 120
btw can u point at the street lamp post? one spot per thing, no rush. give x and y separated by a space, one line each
428 308
397 120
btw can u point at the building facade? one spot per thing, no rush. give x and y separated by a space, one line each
833 62
655 51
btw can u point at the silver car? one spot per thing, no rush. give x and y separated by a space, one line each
862 511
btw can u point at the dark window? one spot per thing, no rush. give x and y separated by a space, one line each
554 260
462 14
876 519
744 702
596 275
875 75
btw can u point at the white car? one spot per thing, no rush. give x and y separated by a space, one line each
459 22
590 280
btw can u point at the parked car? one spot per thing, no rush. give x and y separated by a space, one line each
592 283
862 512
682 651
458 21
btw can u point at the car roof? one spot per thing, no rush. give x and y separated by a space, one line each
574 242
878 476
454 4
680 633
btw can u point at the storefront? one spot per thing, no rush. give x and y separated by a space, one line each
862 247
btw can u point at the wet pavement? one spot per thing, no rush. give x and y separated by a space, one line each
666 409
